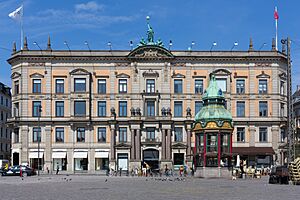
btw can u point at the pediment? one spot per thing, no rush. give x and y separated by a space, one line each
150 73
123 75
79 71
263 75
15 75
179 146
283 76
123 145
36 75
178 75
221 72
150 52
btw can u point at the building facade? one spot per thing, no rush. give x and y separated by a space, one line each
87 111
5 132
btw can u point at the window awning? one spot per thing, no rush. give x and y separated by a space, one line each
35 154
253 151
80 155
59 154
101 154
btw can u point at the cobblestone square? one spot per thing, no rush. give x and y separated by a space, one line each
100 187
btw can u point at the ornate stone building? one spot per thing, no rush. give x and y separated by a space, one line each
124 108
5 132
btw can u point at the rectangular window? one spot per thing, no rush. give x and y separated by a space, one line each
59 86
282 135
59 134
36 86
178 109
16 132
122 86
36 133
79 108
198 86
151 133
122 134
59 108
150 108
240 86
80 134
16 109
263 108
198 106
2 100
240 134
281 109
150 85
222 84
36 108
6 102
240 109
101 108
262 86
282 87
178 86
101 86
178 134
263 134
17 87
102 134
79 84
122 108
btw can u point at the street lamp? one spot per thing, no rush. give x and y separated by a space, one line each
39 136
213 45
87 44
234 45
35 43
66 43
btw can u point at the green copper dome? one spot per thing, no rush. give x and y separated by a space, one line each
213 106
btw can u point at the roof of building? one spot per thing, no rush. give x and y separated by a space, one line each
213 109
4 89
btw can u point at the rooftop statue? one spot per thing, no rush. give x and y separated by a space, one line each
150 37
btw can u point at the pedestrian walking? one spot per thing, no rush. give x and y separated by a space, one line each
57 168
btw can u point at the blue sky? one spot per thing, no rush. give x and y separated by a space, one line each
119 21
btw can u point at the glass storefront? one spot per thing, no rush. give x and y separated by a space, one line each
101 163
61 163
81 164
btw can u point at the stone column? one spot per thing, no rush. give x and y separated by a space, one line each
169 148
251 136
47 140
24 132
132 150
163 145
138 145
188 149
112 144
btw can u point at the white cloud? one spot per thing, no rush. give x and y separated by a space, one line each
90 6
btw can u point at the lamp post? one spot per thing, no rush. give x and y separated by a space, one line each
290 128
39 136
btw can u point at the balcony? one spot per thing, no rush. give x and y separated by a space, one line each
151 141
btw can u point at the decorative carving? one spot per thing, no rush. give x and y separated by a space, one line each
36 64
283 76
122 75
138 111
163 111
177 75
188 112
132 111
113 112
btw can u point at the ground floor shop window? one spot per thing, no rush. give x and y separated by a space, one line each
81 164
61 163
35 162
122 161
212 162
178 158
101 163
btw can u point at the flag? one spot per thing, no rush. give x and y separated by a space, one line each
17 14
276 16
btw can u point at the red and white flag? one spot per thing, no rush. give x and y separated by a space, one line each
276 16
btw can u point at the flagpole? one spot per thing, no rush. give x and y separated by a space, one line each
22 31
276 31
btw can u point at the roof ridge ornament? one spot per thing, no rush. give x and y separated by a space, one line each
150 37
